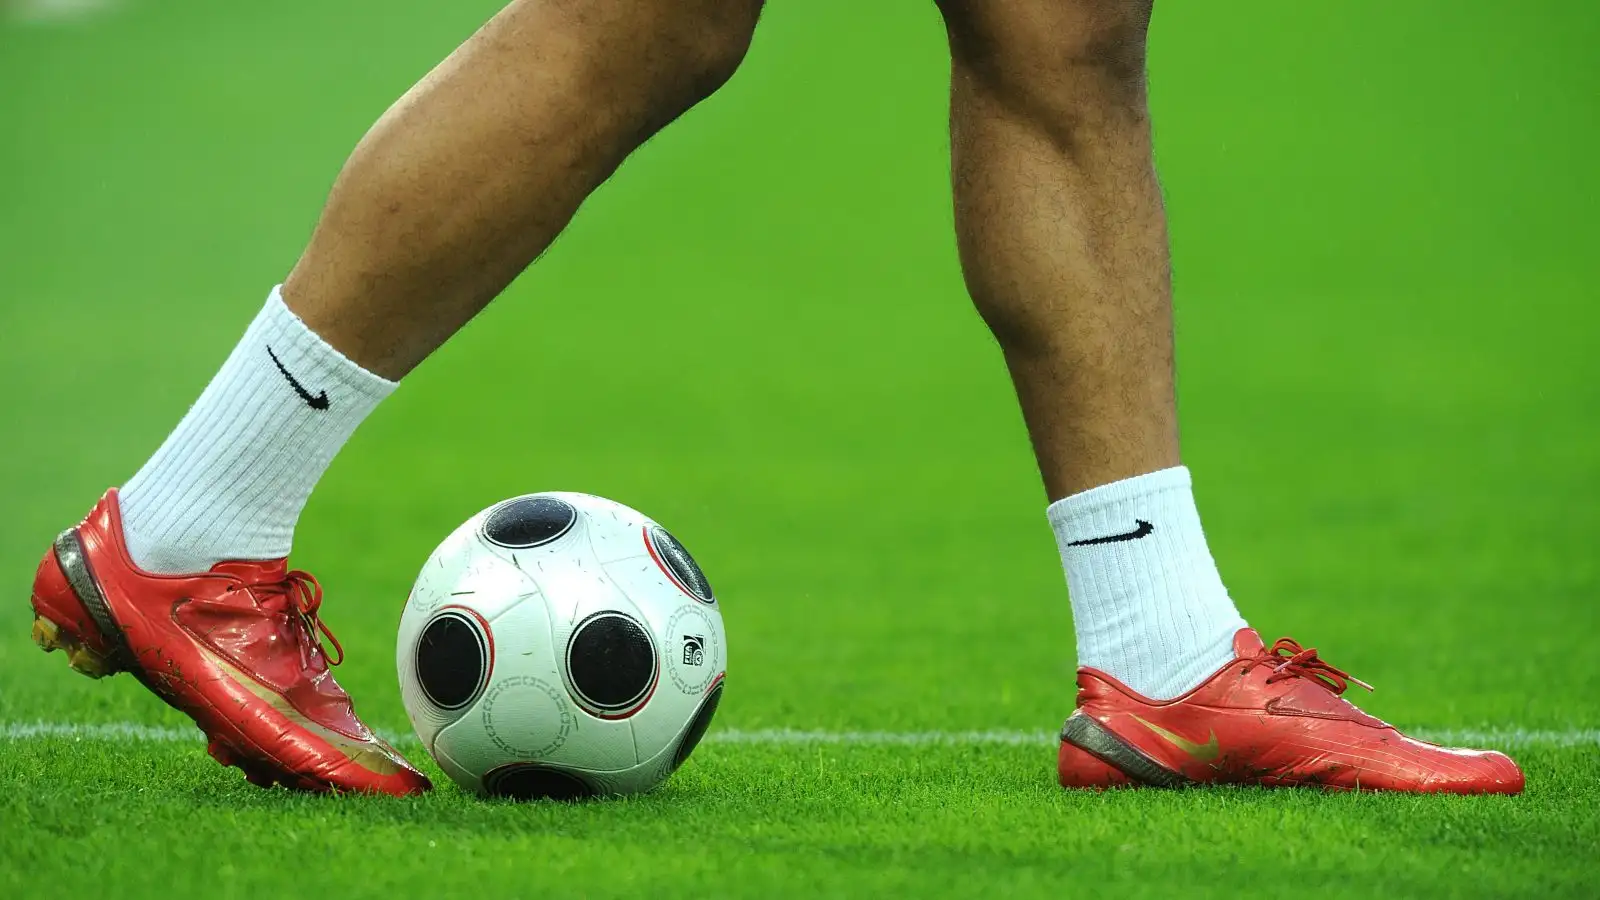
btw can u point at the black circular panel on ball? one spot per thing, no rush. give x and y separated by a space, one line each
682 565
529 522
697 728
452 660
611 661
523 782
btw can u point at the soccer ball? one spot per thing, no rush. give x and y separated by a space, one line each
561 645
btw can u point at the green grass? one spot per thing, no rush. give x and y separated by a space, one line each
1384 253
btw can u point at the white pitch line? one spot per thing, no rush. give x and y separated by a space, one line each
110 731
780 736
133 731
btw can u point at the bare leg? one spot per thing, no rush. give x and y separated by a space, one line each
457 188
1064 246
473 173
1062 234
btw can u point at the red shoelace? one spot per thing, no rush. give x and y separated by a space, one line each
1290 660
300 591
307 592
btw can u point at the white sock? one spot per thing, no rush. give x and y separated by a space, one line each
1147 603
230 481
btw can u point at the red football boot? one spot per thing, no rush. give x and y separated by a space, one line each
1272 717
236 649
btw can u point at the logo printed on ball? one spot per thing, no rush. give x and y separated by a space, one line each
694 649
693 620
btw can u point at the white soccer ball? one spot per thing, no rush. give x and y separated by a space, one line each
561 645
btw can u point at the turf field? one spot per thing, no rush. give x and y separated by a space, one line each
1384 238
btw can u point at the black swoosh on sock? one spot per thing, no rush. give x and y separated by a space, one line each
1145 529
319 402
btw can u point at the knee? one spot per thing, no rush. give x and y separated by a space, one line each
713 40
1063 59
648 60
